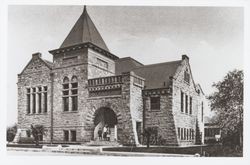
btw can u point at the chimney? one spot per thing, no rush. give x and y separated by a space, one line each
184 56
38 54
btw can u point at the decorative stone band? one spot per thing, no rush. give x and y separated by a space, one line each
111 80
159 91
84 45
105 87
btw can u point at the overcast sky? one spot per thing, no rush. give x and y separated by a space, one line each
212 37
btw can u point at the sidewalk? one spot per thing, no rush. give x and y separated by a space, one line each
93 150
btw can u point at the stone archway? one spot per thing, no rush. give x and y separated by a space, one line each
105 117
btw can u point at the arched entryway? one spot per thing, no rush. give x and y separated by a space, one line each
105 117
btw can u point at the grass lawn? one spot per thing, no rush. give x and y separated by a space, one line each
211 150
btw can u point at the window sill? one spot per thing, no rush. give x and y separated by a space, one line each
70 111
33 114
187 114
155 110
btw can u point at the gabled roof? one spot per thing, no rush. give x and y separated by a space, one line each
126 64
46 62
157 75
83 31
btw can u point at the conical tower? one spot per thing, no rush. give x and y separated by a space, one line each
84 31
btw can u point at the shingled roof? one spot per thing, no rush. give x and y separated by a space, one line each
83 31
157 75
126 64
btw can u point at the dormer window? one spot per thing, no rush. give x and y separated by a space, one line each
186 76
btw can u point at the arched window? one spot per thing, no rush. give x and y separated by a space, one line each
70 91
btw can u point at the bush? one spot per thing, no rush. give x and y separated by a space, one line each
11 133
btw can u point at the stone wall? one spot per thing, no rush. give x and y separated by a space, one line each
95 70
69 120
36 74
136 103
163 118
182 119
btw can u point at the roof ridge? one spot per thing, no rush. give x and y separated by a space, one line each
127 58
162 63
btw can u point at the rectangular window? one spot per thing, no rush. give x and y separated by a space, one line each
179 133
186 76
187 133
190 133
39 102
155 103
73 135
190 105
186 106
65 103
182 101
202 112
184 133
66 135
45 102
102 63
74 103
28 103
34 103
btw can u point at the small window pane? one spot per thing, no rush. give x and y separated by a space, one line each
74 85
65 86
74 103
74 92
66 104
65 93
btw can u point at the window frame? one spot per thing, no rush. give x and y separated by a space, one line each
156 105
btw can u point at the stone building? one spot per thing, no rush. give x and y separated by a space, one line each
87 87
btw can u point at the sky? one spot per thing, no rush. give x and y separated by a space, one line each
212 37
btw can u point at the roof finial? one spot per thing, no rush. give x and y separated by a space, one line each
84 8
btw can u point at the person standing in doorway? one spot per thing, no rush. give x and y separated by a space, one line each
100 134
105 132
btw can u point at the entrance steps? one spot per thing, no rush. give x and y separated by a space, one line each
102 143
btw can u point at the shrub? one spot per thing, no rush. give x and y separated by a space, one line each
11 133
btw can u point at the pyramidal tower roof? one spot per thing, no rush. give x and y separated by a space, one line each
84 31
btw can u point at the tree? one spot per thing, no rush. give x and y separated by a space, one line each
37 131
227 101
11 133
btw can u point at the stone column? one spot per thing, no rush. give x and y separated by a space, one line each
70 103
69 136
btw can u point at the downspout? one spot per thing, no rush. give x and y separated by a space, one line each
51 106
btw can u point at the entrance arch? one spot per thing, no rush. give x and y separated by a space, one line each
105 116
